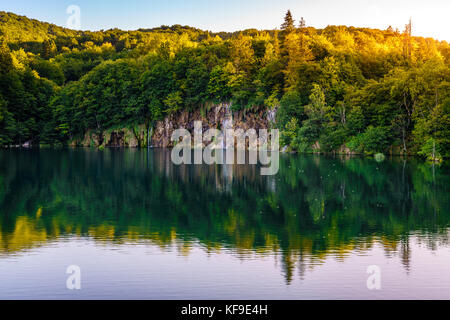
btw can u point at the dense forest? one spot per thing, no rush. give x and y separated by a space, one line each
337 88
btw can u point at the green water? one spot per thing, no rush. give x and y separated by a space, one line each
140 227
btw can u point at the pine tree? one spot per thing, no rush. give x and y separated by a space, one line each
408 28
302 23
288 24
407 43
6 63
48 49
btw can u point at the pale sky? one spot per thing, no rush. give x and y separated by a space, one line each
430 18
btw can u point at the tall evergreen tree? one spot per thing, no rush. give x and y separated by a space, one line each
48 48
302 23
288 24
6 63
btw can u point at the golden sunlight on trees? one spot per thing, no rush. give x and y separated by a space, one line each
384 90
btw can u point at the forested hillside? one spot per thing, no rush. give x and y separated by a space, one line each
337 88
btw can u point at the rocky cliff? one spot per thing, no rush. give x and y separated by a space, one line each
220 116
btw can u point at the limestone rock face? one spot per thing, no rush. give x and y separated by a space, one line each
220 116
344 150
112 138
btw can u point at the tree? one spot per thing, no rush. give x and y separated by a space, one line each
296 52
288 24
6 63
333 86
290 107
7 125
373 140
302 23
407 43
317 109
242 53
48 69
48 48
219 83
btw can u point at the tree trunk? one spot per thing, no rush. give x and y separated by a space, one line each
404 142
434 150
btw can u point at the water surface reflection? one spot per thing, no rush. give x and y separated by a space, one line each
314 210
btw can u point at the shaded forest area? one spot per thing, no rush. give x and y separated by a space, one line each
338 89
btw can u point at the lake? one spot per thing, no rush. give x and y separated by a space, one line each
139 227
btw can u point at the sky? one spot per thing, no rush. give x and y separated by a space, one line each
430 18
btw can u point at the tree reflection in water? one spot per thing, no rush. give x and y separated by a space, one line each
314 208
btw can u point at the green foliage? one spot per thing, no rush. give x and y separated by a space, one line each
333 138
48 69
373 140
6 62
431 150
290 106
7 125
219 83
48 49
317 110
331 87
290 133
173 102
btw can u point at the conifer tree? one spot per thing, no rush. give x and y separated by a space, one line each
302 23
288 24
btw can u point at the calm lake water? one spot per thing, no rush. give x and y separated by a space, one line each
141 228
